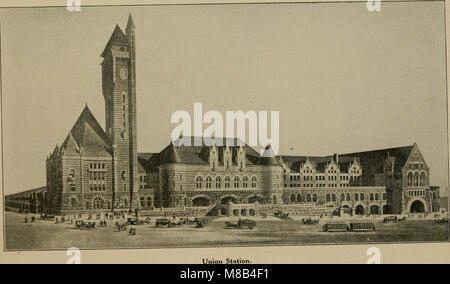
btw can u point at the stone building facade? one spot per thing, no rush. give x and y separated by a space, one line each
394 181
95 169
98 169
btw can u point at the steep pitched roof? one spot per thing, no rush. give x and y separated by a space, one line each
198 152
117 37
130 23
371 161
268 158
88 135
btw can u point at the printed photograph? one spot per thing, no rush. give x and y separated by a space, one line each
168 126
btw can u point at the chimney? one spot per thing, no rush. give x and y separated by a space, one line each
336 158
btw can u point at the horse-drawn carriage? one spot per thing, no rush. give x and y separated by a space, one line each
394 219
46 217
165 222
280 214
200 222
121 226
134 221
309 221
81 225
241 224
441 221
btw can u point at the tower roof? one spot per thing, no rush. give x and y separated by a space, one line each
117 37
130 24
88 135
268 157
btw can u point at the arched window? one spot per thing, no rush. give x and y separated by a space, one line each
384 196
314 198
371 197
410 179
227 182
422 179
218 182
377 196
236 182
348 198
333 197
356 196
292 198
328 198
199 182
245 182
299 198
254 182
142 201
149 202
416 179
98 203
342 197
308 198
208 182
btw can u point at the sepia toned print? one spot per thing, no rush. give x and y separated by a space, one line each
194 190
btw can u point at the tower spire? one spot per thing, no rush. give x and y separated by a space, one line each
130 24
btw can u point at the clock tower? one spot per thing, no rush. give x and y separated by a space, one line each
119 92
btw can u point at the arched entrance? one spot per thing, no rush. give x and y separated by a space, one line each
200 201
254 198
346 210
417 207
227 199
359 210
374 210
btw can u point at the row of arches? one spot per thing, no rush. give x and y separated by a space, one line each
416 178
146 202
333 197
226 182
205 201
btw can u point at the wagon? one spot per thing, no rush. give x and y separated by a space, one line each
441 221
79 225
241 224
389 219
310 221
280 214
134 221
201 222
163 223
335 227
121 226
247 223
362 227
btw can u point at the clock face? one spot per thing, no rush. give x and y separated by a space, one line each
123 73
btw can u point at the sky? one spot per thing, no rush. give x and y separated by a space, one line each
343 79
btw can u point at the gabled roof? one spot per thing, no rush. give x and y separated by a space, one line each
371 161
117 37
198 152
87 134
